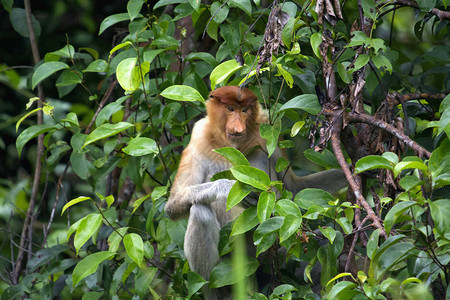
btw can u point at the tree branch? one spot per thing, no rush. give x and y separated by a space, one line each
336 144
439 13
28 223
363 118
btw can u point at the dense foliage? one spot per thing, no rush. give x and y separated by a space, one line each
358 85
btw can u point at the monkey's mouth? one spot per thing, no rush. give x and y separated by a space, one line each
235 135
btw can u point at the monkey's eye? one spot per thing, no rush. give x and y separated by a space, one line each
230 108
245 109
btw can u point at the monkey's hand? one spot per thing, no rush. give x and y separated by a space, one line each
209 192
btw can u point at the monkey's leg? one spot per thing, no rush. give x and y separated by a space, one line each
202 239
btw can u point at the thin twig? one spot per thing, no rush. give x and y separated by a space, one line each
52 214
101 104
352 247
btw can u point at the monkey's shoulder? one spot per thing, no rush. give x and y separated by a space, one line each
200 144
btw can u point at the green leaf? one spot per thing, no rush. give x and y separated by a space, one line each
267 227
195 4
205 56
392 240
329 233
45 70
409 165
162 3
316 40
340 275
371 162
30 133
359 38
89 265
73 202
234 156
88 226
251 176
182 93
245 5
237 193
372 244
80 164
440 212
97 66
344 73
286 75
69 77
296 128
111 20
134 7
135 248
283 289
324 158
158 192
128 74
290 225
139 201
409 182
444 122
306 102
246 221
18 19
266 204
361 61
223 273
140 146
219 12
194 282
143 280
309 197
286 207
369 8
106 130
395 254
282 163
339 290
26 116
395 212
287 32
115 238
271 134
67 51
392 157
381 61
151 54
426 5
345 224
222 72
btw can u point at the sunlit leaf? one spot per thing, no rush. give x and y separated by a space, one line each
140 146
251 176
106 130
222 72
135 248
73 202
182 93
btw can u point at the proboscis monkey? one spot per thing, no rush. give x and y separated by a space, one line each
233 118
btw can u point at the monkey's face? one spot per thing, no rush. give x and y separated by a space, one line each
236 122
231 111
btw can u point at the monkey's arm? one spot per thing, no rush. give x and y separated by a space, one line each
330 180
192 185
